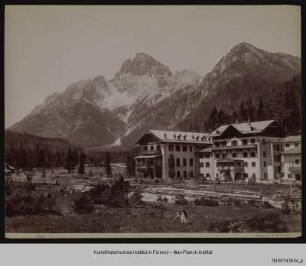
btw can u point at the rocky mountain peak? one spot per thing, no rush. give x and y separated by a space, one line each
145 94
101 83
143 64
244 47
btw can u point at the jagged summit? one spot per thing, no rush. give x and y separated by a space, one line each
143 56
145 94
143 64
244 46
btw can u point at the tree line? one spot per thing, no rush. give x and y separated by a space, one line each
281 103
27 157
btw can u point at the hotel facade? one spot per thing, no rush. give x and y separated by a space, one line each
256 151
170 154
243 152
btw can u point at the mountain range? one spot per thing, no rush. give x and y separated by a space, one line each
145 94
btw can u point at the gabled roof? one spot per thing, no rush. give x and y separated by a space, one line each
297 138
244 128
183 137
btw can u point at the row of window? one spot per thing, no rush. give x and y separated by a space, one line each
246 164
235 142
234 154
179 147
178 162
151 147
295 144
253 164
245 175
277 147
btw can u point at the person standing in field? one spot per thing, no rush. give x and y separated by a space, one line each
181 215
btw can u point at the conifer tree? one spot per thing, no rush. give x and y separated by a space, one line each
81 169
107 164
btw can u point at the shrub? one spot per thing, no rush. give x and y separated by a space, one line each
180 200
161 199
100 194
229 226
25 201
270 222
135 198
217 181
237 202
206 201
252 203
115 195
220 226
252 181
83 204
267 205
119 193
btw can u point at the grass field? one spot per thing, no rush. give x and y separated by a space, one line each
149 217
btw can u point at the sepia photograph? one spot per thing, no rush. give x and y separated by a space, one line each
153 121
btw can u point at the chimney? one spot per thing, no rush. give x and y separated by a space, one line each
165 135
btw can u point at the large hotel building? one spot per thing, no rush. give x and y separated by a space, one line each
169 154
257 151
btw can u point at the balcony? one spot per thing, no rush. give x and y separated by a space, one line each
230 168
228 164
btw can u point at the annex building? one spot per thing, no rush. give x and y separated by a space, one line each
291 158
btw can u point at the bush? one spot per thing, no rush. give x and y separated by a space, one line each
161 199
267 205
252 181
135 198
119 193
220 226
270 222
206 201
24 201
83 204
180 200
100 194
115 195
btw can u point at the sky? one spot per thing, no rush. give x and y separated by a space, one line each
49 47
